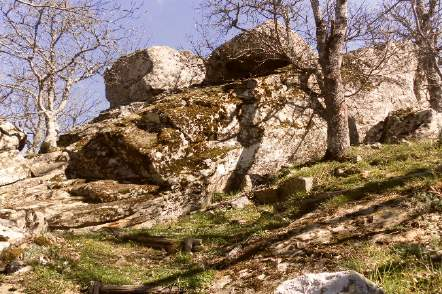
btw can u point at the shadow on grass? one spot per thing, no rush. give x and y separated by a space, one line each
308 206
305 206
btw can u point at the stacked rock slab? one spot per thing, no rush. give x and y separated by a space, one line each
142 75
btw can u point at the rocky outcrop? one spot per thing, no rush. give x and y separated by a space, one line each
147 162
378 81
13 166
257 52
200 141
108 191
210 139
331 283
407 124
142 75
11 138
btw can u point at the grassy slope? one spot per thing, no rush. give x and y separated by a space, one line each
73 261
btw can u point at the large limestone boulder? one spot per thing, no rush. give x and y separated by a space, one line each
378 81
257 52
329 283
407 124
200 141
11 138
142 75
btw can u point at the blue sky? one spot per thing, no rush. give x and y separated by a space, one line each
168 22
158 22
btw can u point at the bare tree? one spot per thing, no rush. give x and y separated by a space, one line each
331 39
332 29
47 47
420 21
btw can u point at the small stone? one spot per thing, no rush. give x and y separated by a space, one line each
234 253
339 172
13 267
221 282
282 267
266 196
247 184
240 203
405 142
296 184
357 159
365 174
376 145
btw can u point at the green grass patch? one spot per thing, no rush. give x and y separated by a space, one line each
404 268
391 169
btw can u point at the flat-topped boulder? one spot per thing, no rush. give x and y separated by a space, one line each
259 51
142 75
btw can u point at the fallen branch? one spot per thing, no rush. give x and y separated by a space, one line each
161 243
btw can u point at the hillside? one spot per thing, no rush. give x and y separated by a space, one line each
379 214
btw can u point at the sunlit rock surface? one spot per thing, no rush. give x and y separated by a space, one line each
142 75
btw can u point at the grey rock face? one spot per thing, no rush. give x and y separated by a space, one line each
391 87
108 191
44 164
329 283
406 124
13 167
257 52
142 75
283 190
11 138
201 140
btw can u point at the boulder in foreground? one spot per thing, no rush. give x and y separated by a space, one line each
329 283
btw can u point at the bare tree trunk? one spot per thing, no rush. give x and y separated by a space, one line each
434 83
50 142
338 134
330 44
38 134
426 16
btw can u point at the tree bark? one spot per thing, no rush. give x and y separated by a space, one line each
338 134
50 141
427 34
434 83
330 44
